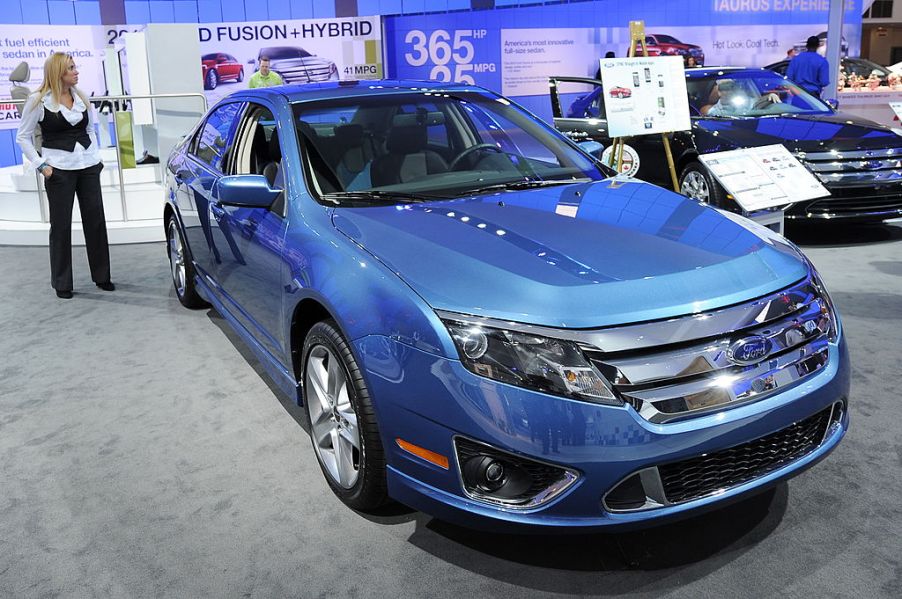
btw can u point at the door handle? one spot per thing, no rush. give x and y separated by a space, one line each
217 211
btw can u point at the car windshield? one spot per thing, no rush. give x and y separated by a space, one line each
737 94
429 144
283 52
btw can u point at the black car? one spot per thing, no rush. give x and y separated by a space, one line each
858 66
858 161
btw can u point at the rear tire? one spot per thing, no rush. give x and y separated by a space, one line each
343 426
240 75
697 183
182 268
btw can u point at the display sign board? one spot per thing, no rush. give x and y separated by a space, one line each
897 109
645 95
763 177
301 51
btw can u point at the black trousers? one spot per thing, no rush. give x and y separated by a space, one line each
62 187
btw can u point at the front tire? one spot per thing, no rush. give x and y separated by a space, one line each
697 183
182 268
342 420
212 80
240 75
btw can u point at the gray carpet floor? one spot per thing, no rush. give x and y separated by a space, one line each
143 454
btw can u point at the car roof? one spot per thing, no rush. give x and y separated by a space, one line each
699 72
346 89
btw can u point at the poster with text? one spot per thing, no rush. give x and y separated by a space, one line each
530 56
34 43
300 51
763 177
645 95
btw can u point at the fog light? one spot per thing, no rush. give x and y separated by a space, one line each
507 479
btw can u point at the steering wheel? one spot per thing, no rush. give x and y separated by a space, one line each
470 150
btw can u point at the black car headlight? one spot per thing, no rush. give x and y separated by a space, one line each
555 366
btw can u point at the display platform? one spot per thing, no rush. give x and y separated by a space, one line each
24 212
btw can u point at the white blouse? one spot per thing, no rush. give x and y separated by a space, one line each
80 157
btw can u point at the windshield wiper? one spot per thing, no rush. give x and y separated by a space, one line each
383 197
526 184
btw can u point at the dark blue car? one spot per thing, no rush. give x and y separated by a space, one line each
484 324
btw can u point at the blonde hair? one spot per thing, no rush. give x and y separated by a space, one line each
55 67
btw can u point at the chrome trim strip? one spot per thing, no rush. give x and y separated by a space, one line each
856 165
850 155
715 323
569 477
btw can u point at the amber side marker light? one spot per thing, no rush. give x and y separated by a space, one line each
430 456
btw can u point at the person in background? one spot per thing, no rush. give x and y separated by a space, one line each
809 69
690 62
70 163
264 77
790 54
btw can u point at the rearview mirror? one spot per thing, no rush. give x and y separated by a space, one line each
251 191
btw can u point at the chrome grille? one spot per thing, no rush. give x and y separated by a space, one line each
856 168
674 381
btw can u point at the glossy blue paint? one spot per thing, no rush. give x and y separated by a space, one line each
581 255
249 191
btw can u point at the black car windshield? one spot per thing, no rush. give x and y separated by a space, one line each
736 94
284 52
428 144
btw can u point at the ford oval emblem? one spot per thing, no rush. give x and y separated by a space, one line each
749 350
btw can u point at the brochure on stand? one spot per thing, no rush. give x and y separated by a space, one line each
764 177
645 95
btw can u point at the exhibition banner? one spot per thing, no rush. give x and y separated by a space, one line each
645 95
763 177
300 51
34 43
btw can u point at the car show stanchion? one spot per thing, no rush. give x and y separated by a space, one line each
637 36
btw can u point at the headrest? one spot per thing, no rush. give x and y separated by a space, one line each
349 136
21 73
406 139
275 152
421 117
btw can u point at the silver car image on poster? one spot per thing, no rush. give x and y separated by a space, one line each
297 65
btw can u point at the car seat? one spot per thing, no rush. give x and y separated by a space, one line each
272 170
407 158
356 151
20 74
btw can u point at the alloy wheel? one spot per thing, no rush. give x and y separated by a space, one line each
695 186
177 258
333 421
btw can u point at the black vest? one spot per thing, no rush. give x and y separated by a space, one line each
59 134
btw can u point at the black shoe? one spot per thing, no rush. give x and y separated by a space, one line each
108 286
64 294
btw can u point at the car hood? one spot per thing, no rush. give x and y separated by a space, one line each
799 133
576 256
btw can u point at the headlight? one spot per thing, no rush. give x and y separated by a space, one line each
827 307
544 364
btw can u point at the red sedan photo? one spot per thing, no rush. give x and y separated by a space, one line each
219 67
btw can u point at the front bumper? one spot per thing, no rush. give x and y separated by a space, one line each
428 400
870 204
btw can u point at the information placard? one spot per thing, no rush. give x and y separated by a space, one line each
645 95
763 177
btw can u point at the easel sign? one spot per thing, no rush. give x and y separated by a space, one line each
645 95
763 177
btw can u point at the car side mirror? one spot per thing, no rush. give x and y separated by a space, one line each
250 191
593 148
832 103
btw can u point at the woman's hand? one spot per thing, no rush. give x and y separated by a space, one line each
47 171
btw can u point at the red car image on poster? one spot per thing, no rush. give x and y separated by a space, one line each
620 92
666 45
218 67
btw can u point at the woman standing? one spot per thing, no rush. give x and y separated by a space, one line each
70 163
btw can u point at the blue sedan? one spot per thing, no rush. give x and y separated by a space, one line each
484 324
